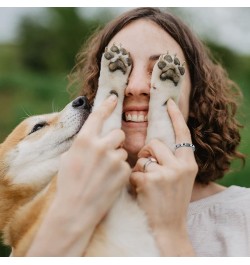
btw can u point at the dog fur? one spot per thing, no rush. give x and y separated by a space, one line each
30 155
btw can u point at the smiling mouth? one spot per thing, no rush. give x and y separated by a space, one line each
135 116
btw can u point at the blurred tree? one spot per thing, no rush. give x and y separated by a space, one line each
34 45
52 46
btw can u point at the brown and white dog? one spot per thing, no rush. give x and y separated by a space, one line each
29 159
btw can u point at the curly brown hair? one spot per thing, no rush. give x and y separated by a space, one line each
213 99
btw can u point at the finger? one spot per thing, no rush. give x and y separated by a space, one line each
120 173
96 119
158 150
114 139
121 153
145 165
137 179
182 133
124 173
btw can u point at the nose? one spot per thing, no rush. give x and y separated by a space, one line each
82 103
138 82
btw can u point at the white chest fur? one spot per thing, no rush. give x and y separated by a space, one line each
124 232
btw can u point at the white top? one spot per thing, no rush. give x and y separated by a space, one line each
219 225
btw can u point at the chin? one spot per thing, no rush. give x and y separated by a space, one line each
133 146
135 137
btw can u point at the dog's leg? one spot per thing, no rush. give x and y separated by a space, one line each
166 82
115 69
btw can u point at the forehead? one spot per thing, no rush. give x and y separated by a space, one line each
146 38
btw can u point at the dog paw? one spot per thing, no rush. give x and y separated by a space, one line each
115 68
118 59
166 77
166 80
170 68
116 65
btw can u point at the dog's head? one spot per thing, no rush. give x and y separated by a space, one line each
30 154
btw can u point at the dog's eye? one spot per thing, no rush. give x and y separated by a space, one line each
37 127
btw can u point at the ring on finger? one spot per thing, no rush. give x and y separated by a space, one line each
149 161
185 145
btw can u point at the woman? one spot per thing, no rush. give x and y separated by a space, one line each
188 213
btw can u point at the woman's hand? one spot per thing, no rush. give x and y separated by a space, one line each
94 169
164 190
91 175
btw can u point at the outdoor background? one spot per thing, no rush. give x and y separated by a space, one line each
38 48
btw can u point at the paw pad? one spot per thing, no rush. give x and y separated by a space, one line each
119 58
171 68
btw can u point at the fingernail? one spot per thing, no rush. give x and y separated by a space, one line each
171 102
112 98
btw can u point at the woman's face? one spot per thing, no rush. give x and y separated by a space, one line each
144 39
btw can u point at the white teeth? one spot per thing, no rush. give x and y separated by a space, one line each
136 117
128 117
140 118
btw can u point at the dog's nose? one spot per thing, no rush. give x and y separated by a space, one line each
81 102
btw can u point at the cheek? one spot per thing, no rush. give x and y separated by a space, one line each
184 98
184 106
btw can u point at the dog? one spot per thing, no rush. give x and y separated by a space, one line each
29 161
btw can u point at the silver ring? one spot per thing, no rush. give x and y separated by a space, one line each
185 145
149 161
